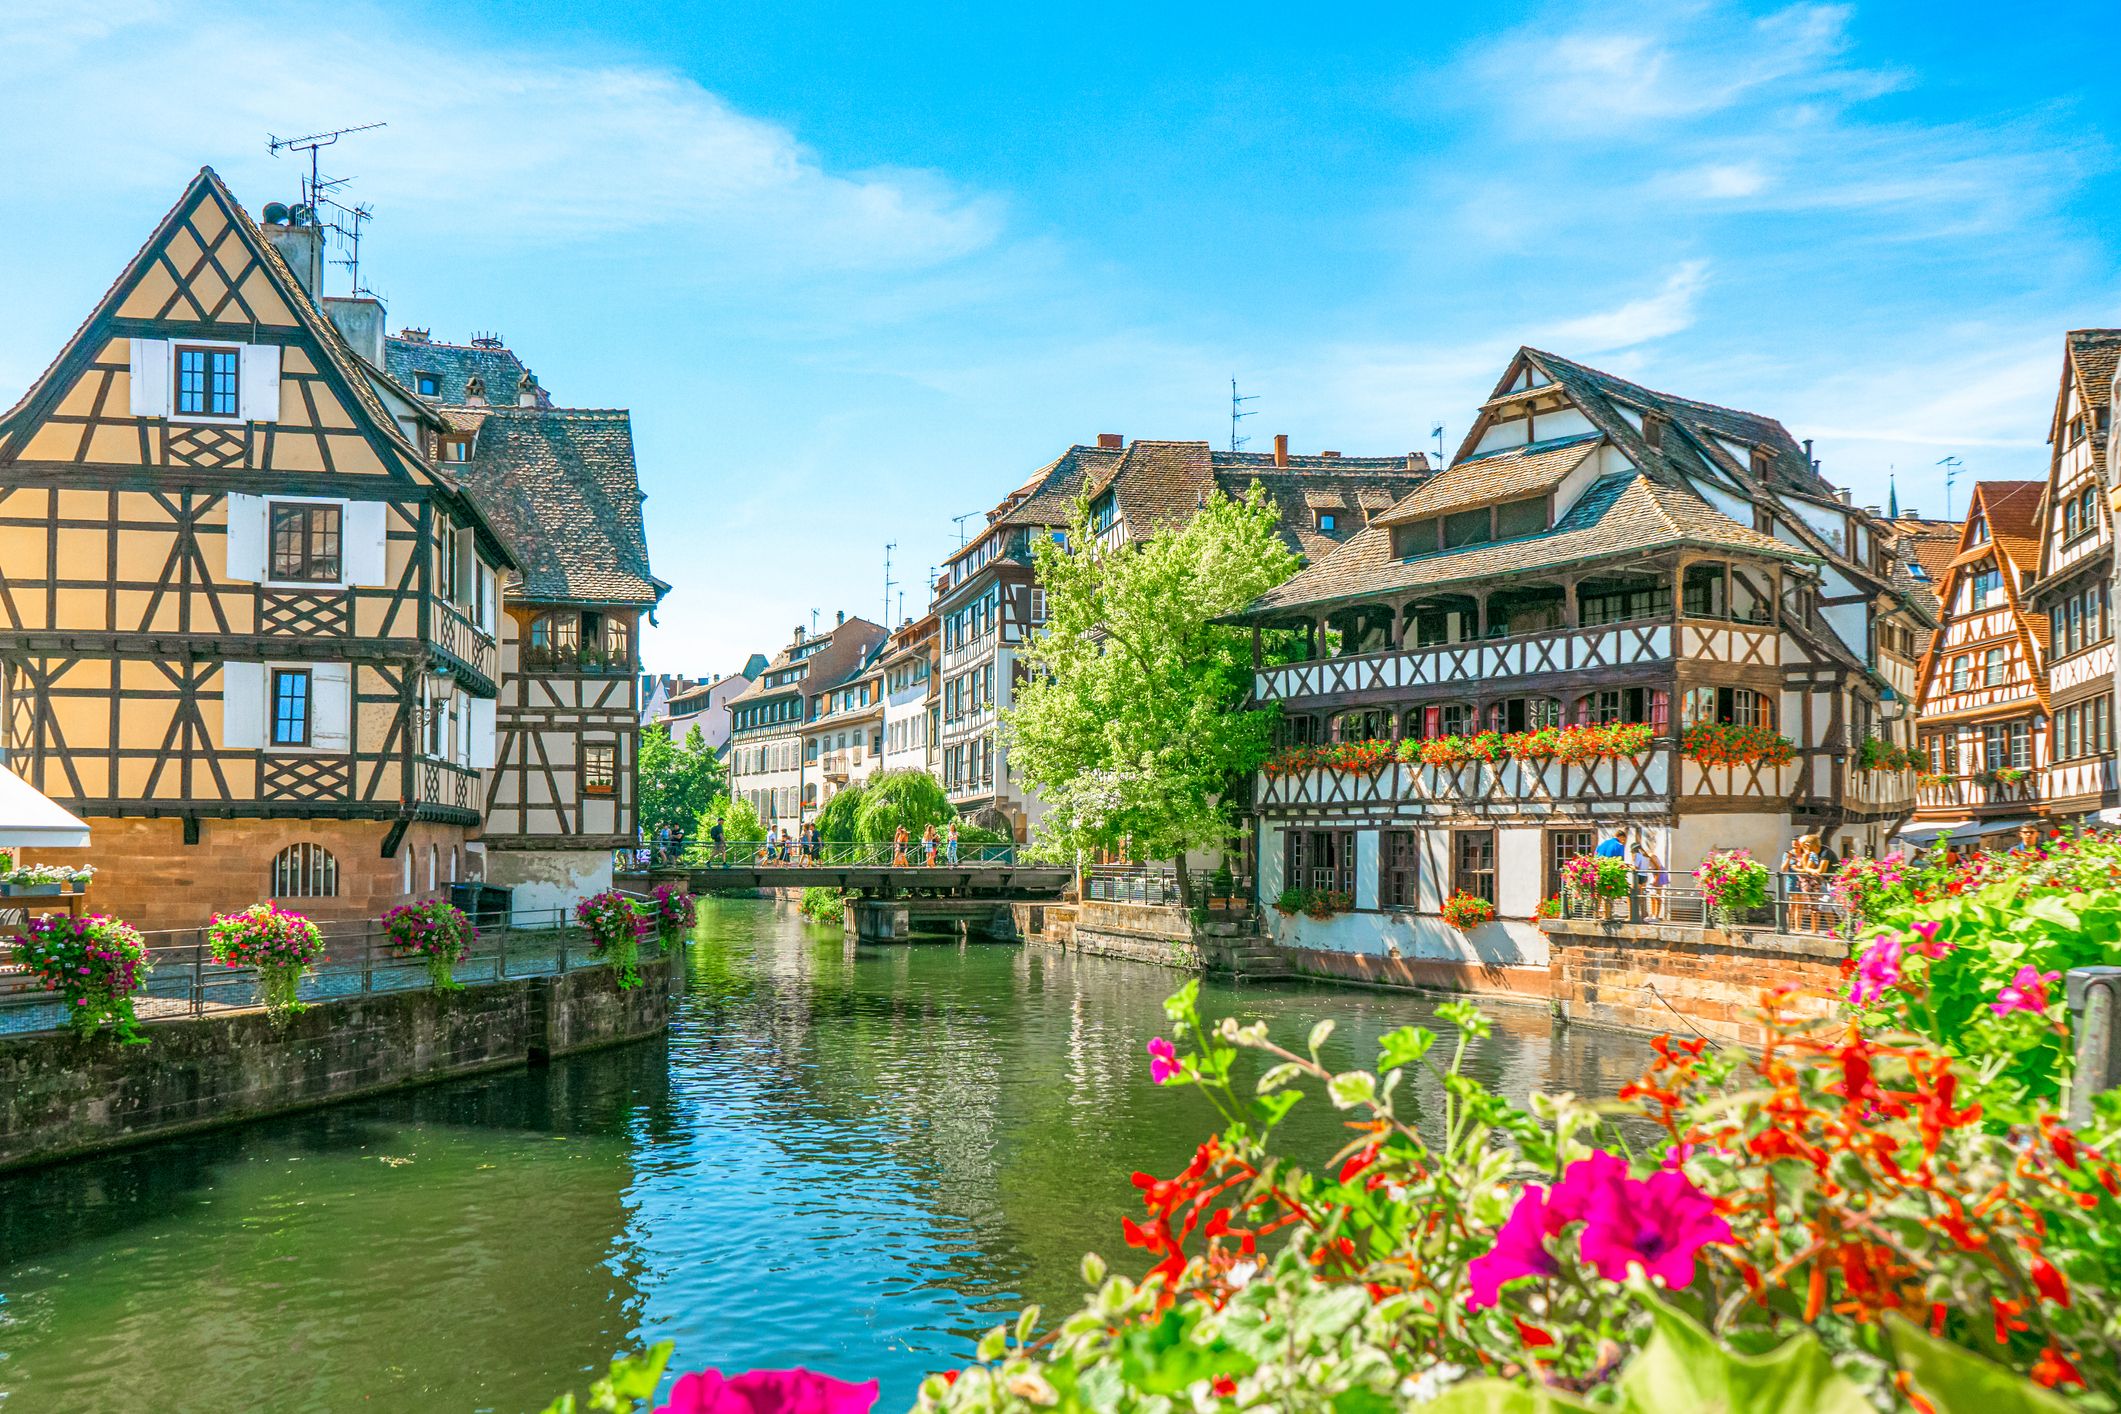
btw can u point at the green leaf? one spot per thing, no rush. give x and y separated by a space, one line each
1683 1367
1319 1035
1465 1016
1363 1401
1351 1088
1163 1359
1279 1076
1502 1397
1403 1047
1958 1381
633 1377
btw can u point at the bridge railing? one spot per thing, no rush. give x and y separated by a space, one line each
914 854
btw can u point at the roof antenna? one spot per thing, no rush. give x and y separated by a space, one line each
313 188
1437 433
1238 412
1951 467
888 581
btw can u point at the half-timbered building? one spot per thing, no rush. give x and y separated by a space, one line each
1983 711
2073 586
561 487
247 626
1595 553
767 762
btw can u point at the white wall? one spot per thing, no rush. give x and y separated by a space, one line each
545 879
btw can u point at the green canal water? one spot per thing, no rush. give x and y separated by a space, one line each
851 1160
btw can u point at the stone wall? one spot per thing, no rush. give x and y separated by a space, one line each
1504 982
1045 922
61 1096
1661 977
1158 933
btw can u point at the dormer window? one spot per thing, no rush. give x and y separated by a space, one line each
1328 522
456 449
1104 514
207 380
1977 533
427 385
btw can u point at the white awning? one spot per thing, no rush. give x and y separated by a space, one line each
28 820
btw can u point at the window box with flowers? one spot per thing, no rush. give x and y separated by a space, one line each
276 943
1732 744
2006 776
1877 754
1465 911
44 880
1932 780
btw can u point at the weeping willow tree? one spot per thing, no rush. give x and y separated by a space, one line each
1132 724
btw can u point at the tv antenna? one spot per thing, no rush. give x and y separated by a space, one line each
960 522
888 582
1437 433
311 143
1951 467
1238 412
346 225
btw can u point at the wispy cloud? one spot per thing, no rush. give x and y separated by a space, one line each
1638 321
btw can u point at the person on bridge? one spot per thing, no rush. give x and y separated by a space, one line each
950 843
898 847
717 850
928 843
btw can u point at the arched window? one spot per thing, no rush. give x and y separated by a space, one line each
305 870
434 859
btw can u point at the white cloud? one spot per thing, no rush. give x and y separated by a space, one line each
1638 321
536 148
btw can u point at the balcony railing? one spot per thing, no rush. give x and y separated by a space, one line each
465 641
1978 790
575 658
1792 907
446 783
1542 785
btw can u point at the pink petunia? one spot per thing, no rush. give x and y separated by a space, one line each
1163 1060
1878 971
2025 992
1520 1249
795 1391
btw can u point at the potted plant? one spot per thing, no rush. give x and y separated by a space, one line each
1465 911
276 943
1594 876
615 931
1549 910
95 964
1291 901
676 911
1223 883
436 931
1732 883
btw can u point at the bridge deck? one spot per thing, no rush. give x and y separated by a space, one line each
991 880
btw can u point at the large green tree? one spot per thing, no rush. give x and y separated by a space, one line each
909 797
1132 723
677 780
740 826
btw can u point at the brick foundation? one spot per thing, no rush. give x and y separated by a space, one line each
1523 984
1655 978
147 875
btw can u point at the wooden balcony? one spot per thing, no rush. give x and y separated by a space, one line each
1645 784
469 645
1978 791
2084 779
447 785
1880 790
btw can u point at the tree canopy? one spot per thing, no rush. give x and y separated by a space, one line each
909 797
677 780
1132 722
740 825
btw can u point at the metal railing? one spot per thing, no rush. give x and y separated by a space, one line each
1790 908
1156 885
680 853
185 980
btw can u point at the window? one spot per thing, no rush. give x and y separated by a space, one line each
206 381
1988 585
1992 672
599 767
553 638
1473 863
290 707
1563 846
305 542
1977 533
1515 518
427 385
307 870
1962 672
1626 704
1739 705
618 642
1399 878
1328 522
1618 605
1418 538
1038 605
1524 714
1323 860
456 449
1703 592
1104 514
2076 430
1467 528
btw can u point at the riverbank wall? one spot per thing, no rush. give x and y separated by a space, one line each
62 1096
1650 977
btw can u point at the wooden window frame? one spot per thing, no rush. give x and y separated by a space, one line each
212 349
1555 841
1461 874
591 750
1300 859
1399 870
309 563
308 704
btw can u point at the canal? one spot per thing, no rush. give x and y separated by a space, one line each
849 1160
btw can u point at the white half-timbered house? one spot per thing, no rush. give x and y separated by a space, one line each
2073 590
1595 553
1983 711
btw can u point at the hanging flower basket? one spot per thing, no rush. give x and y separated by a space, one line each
1877 754
436 932
616 930
1733 883
276 943
676 911
95 964
1595 876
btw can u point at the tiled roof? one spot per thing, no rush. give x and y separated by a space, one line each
2095 353
2013 511
561 487
1929 545
1623 514
849 645
452 366
1486 478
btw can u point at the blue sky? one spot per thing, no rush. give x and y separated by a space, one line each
860 269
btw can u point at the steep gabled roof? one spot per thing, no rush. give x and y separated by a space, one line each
453 366
2093 355
1502 475
2011 511
1622 515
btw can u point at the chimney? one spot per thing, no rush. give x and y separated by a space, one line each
840 617
1329 454
528 393
360 321
300 245
475 391
798 633
1417 461
1110 441
1911 514
1281 449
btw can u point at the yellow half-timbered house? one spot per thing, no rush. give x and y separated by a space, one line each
247 623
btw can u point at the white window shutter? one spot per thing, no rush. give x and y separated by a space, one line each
242 705
467 565
489 598
331 706
246 537
258 386
367 542
150 378
482 755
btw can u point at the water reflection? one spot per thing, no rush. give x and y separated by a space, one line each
846 1159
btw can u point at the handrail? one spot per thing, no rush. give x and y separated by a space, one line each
696 853
1788 909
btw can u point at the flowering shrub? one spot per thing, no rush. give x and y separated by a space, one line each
40 875
1732 881
616 930
436 931
676 911
1576 745
1867 887
1549 908
1878 754
1825 1227
1463 910
1730 744
95 964
1965 956
798 1391
1594 876
1315 903
1931 780
1347 757
277 943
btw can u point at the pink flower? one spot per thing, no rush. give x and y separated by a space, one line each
795 1391
1163 1060
1658 1223
1520 1249
1931 948
2025 992
1878 971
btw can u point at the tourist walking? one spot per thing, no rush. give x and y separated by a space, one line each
928 843
950 843
1615 844
898 847
718 848
1649 874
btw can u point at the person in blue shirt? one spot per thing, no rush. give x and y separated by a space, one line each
1615 845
